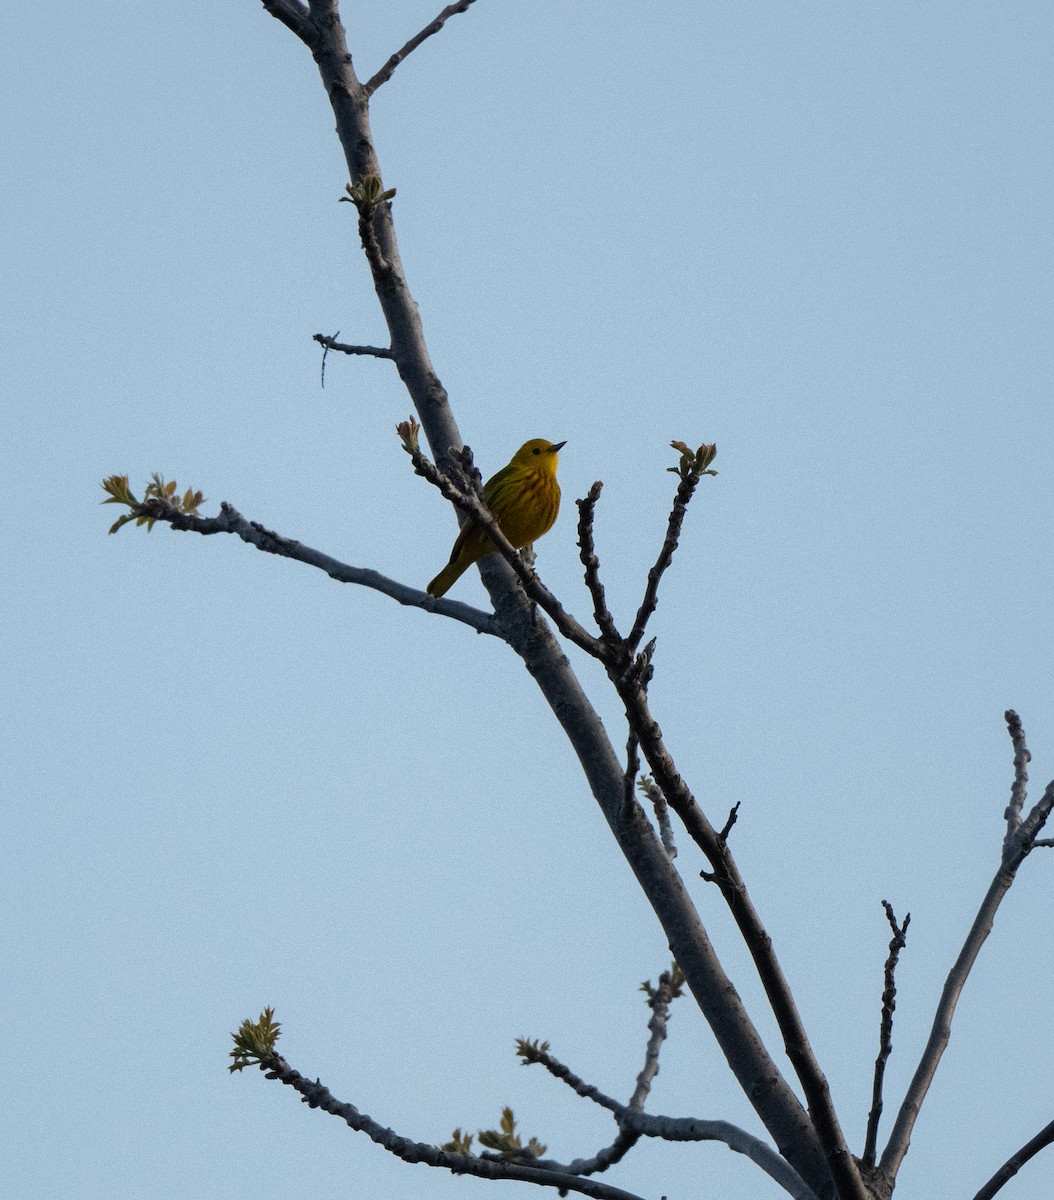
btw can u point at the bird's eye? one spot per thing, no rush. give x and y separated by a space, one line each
536 450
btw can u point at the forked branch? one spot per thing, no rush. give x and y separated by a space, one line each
634 1123
316 1095
1021 837
885 1035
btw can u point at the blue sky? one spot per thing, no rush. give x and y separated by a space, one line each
819 235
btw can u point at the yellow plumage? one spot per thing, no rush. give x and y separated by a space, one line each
524 498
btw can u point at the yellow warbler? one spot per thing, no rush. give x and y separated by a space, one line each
524 498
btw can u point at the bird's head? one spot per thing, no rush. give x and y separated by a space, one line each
538 454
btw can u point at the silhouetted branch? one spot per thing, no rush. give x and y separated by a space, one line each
316 1095
1019 788
885 1036
634 1123
231 521
534 1052
292 14
386 72
692 467
1016 1161
730 820
1019 841
331 344
587 554
670 987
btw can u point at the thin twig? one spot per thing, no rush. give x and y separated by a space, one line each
659 999
231 521
685 491
587 554
670 987
635 1122
730 820
330 343
1016 1161
662 814
1019 788
604 1158
539 1054
316 1095
386 72
1016 848
885 1036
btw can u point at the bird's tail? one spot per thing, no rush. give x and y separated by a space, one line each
446 579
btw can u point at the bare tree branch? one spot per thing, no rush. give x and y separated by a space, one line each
669 988
1016 847
386 72
696 1129
587 553
685 491
730 820
841 1163
330 344
1019 788
885 1036
532 1053
634 1123
318 1096
662 813
787 1121
1016 1161
293 15
231 521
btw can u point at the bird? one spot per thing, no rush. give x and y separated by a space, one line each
524 498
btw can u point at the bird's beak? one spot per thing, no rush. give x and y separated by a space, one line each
556 447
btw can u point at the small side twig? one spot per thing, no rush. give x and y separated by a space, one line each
587 554
670 986
655 796
660 997
1016 1161
885 1036
538 1052
693 466
433 27
730 820
1019 788
331 343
